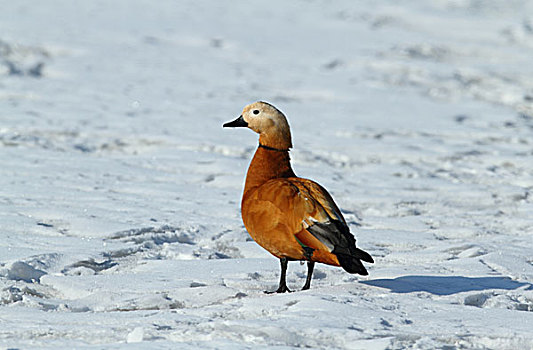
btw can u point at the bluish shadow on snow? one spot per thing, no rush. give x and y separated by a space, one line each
445 285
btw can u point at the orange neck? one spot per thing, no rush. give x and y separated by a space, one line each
267 164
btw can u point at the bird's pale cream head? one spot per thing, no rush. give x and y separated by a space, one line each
268 122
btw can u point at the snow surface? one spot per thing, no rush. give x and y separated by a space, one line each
120 191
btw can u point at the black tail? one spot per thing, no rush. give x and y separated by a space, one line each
361 254
352 262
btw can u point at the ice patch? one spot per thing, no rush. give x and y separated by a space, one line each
21 271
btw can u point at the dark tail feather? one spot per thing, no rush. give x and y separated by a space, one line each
352 264
361 254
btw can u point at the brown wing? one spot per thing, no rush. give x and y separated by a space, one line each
292 215
273 213
331 229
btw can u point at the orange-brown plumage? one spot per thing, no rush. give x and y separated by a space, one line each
283 208
291 217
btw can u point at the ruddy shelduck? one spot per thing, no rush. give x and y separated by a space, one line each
291 217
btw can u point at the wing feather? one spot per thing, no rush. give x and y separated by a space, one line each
302 206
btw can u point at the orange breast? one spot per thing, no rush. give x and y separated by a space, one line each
268 226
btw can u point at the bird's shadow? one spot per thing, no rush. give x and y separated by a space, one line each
445 285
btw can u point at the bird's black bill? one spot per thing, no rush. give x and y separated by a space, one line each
237 123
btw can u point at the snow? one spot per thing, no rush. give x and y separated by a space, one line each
120 191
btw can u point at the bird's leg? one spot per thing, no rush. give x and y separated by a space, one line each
282 283
310 268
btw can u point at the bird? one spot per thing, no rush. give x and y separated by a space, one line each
293 218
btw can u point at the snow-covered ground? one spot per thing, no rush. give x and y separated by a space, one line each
120 191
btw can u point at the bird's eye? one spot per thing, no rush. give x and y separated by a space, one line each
255 111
